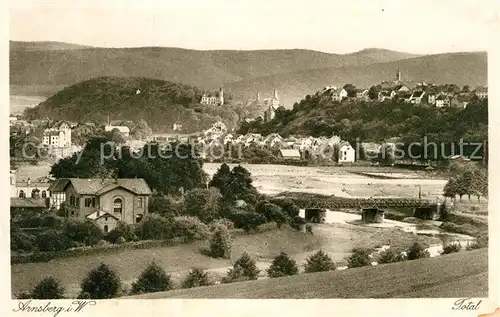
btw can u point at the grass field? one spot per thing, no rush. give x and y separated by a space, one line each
463 274
337 240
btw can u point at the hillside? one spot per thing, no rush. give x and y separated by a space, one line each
457 68
160 103
463 274
36 64
44 46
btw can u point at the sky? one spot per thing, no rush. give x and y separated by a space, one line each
422 27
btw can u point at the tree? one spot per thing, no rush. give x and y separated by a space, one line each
152 279
220 178
272 212
162 205
48 288
190 228
360 257
319 262
142 130
100 283
195 278
282 265
53 240
237 185
417 251
288 206
220 243
248 266
121 231
390 256
203 203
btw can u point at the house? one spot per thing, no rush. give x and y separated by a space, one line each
362 94
481 92
386 95
57 135
401 88
290 154
346 153
431 99
416 97
338 94
213 100
177 127
28 204
125 131
273 140
28 188
104 201
442 101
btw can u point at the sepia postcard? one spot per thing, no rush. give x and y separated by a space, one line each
250 158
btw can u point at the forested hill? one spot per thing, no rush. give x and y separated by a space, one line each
160 103
377 121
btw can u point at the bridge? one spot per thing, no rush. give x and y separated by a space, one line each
333 203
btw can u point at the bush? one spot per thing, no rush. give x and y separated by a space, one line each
319 262
220 243
190 227
248 266
417 251
100 283
359 258
309 228
282 265
297 223
247 220
272 212
223 221
390 256
52 240
85 232
154 227
195 278
20 241
451 248
152 279
479 243
236 274
203 203
288 206
122 230
48 288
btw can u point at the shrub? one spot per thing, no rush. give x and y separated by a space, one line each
390 256
479 243
417 251
190 227
154 227
248 266
48 288
160 205
195 278
288 206
297 223
85 232
451 248
360 257
122 230
319 262
220 243
272 212
309 228
247 220
236 274
203 203
223 221
152 279
20 241
52 240
100 283
282 265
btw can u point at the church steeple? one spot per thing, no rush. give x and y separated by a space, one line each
275 95
398 75
257 96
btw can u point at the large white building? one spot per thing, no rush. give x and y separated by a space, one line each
57 136
217 100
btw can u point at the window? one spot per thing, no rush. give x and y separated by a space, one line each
44 194
106 229
72 213
21 194
77 201
93 202
138 218
139 202
72 200
105 218
117 205
88 202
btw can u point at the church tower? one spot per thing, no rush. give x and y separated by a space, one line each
257 97
275 95
221 96
398 75
275 101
